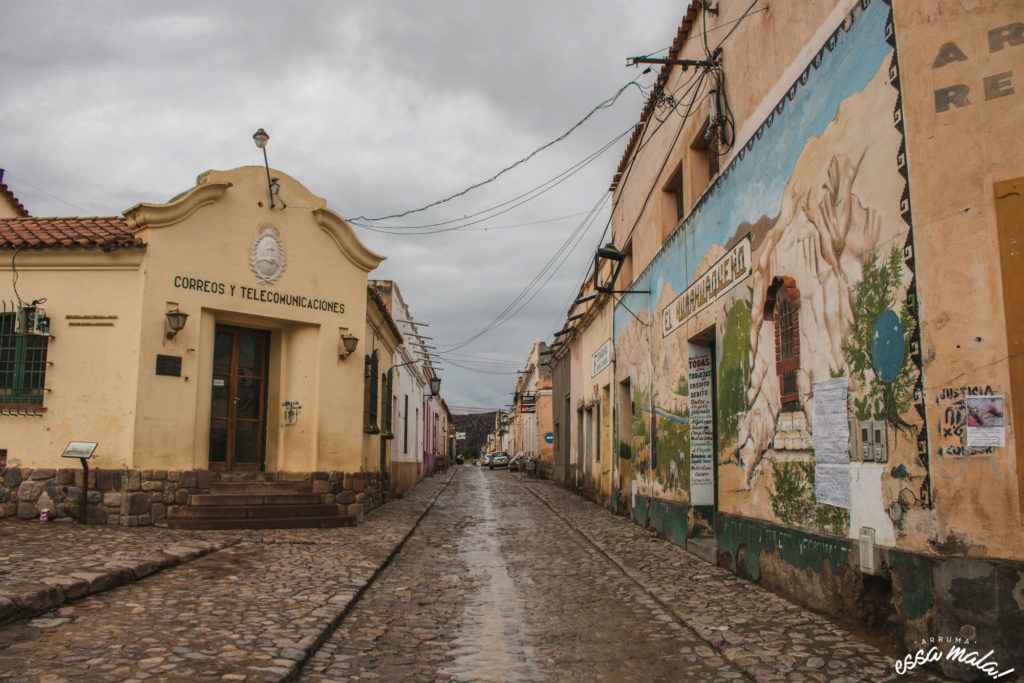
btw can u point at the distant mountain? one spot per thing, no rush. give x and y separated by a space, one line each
477 426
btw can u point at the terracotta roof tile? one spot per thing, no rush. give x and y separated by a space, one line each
107 233
6 192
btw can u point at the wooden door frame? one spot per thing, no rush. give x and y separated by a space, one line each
229 463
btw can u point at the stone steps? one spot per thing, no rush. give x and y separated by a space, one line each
218 499
337 520
250 511
259 487
257 505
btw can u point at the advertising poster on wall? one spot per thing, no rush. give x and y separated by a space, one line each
831 443
985 423
702 449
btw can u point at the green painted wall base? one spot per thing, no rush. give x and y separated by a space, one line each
797 547
668 518
921 595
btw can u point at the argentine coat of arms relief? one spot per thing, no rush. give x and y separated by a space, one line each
266 257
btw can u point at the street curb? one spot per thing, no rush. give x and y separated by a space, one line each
312 647
53 591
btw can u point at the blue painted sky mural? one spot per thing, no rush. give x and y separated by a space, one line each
754 184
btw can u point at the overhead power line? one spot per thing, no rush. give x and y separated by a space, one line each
539 281
603 105
515 202
698 75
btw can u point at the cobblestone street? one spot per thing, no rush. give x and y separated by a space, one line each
476 577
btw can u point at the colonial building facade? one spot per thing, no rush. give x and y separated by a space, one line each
816 334
226 334
531 411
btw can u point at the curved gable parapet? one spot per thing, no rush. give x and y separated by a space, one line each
145 215
343 235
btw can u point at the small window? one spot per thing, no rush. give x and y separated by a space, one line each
22 364
703 160
675 201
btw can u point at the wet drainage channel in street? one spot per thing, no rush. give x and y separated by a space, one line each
482 643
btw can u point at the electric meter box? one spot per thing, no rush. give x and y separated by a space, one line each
33 320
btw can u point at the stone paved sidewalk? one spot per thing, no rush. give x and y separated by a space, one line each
764 635
42 566
254 610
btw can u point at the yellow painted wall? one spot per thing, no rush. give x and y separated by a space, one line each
593 335
92 373
212 243
958 151
380 337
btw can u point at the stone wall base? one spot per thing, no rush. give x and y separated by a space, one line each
128 497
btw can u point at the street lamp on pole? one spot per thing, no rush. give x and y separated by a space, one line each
261 139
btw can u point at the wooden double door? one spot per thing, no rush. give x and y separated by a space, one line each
239 399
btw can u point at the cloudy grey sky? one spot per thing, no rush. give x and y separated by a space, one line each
379 107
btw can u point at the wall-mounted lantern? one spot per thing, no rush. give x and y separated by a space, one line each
435 385
175 322
608 252
347 344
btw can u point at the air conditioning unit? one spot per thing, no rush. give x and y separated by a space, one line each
33 320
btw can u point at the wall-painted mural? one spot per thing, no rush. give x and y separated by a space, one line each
824 292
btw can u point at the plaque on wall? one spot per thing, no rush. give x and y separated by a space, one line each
168 365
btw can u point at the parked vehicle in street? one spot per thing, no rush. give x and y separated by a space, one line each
485 460
517 462
499 459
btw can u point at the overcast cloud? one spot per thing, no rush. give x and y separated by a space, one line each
379 107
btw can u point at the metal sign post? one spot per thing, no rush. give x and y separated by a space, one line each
82 450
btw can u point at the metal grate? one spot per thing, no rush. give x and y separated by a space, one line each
22 364
787 329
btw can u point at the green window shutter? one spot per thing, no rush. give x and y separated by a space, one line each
370 395
22 364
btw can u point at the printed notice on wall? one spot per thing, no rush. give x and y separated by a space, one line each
702 448
831 443
985 425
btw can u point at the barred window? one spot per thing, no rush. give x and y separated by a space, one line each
22 364
782 306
